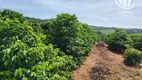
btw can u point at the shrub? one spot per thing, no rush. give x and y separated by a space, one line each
132 57
71 36
6 13
27 54
137 39
23 56
119 40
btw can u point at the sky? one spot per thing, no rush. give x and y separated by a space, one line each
93 12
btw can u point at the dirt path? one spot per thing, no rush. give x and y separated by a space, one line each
103 64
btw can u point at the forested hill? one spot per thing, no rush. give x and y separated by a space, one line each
111 29
36 19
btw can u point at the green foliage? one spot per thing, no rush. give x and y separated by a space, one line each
101 34
6 13
119 40
71 36
132 57
23 56
47 27
64 30
31 49
137 39
36 26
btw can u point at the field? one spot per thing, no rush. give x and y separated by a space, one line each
63 48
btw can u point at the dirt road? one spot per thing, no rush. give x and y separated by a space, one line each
102 64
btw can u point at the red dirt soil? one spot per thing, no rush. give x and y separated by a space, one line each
102 64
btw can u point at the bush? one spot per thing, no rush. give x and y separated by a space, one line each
71 36
132 57
6 13
137 39
23 56
119 40
27 54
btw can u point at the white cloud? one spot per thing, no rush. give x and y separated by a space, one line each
73 5
105 11
79 7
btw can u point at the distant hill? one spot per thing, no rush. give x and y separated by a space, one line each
36 19
99 29
107 30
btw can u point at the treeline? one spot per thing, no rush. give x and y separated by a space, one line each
129 30
103 31
42 50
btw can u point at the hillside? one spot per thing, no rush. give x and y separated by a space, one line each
103 64
106 30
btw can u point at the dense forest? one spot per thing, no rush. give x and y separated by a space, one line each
34 49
